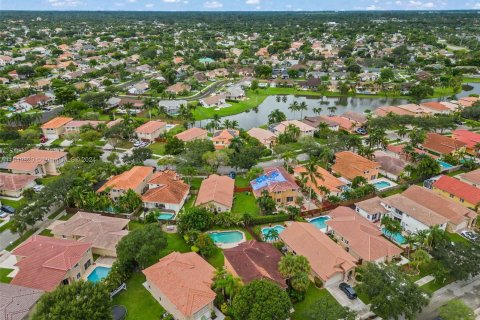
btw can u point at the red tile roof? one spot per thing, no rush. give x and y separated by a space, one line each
32 158
191 134
468 137
171 188
45 261
185 279
130 179
14 182
253 260
150 127
459 189
56 123
351 165
218 189
364 238
442 144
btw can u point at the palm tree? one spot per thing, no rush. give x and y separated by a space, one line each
317 110
216 121
278 98
226 283
419 258
289 155
276 116
227 124
402 131
302 107
311 171
294 107
284 99
332 110
296 269
272 234
234 124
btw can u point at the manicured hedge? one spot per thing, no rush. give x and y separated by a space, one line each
270 219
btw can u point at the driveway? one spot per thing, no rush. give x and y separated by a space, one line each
356 305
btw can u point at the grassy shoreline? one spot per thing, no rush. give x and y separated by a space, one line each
256 98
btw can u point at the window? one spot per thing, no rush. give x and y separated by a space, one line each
462 200
289 199
65 281
75 266
78 275
278 200
87 264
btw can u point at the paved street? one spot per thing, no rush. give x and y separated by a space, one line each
468 291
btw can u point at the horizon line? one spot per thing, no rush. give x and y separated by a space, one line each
247 11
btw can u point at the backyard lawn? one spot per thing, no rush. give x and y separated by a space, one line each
245 202
241 182
175 242
195 183
139 302
17 204
4 272
157 148
217 260
312 295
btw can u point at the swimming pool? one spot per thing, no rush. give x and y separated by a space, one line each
380 185
165 216
98 274
397 237
444 165
319 222
266 230
226 236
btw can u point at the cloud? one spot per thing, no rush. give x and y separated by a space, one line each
254 2
149 5
171 1
65 3
212 4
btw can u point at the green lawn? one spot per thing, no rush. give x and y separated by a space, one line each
4 272
312 295
241 182
48 180
17 204
245 202
455 237
66 217
6 226
157 148
139 302
217 260
195 183
46 233
175 242
124 144
476 80
132 225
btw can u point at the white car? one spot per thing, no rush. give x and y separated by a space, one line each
470 235
38 188
3 214
137 144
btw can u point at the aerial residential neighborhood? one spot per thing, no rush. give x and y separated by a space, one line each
249 160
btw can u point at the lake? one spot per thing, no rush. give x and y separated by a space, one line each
251 118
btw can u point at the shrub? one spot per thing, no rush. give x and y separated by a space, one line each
269 219
318 282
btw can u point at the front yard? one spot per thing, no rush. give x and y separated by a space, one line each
312 295
157 148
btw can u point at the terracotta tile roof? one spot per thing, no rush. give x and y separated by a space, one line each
416 210
262 135
56 123
36 99
398 149
442 144
15 182
253 260
468 137
301 125
458 188
372 206
384 111
185 279
472 177
317 120
130 179
32 158
81 123
225 135
364 238
325 256
437 106
329 181
390 163
46 260
218 189
102 232
211 100
354 116
17 302
344 123
150 127
281 181
351 165
191 134
467 101
171 189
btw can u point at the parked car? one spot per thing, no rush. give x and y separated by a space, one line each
3 214
361 131
38 188
8 209
137 144
470 235
348 290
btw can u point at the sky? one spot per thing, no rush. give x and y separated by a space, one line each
238 5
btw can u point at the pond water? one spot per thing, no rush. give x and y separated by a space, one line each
252 118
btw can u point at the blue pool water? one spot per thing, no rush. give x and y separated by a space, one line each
444 165
165 216
380 185
267 229
319 222
397 237
98 274
226 236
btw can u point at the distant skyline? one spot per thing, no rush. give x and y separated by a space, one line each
239 5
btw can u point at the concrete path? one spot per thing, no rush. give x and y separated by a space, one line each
424 280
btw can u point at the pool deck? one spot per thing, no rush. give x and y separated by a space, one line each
222 245
100 262
390 182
